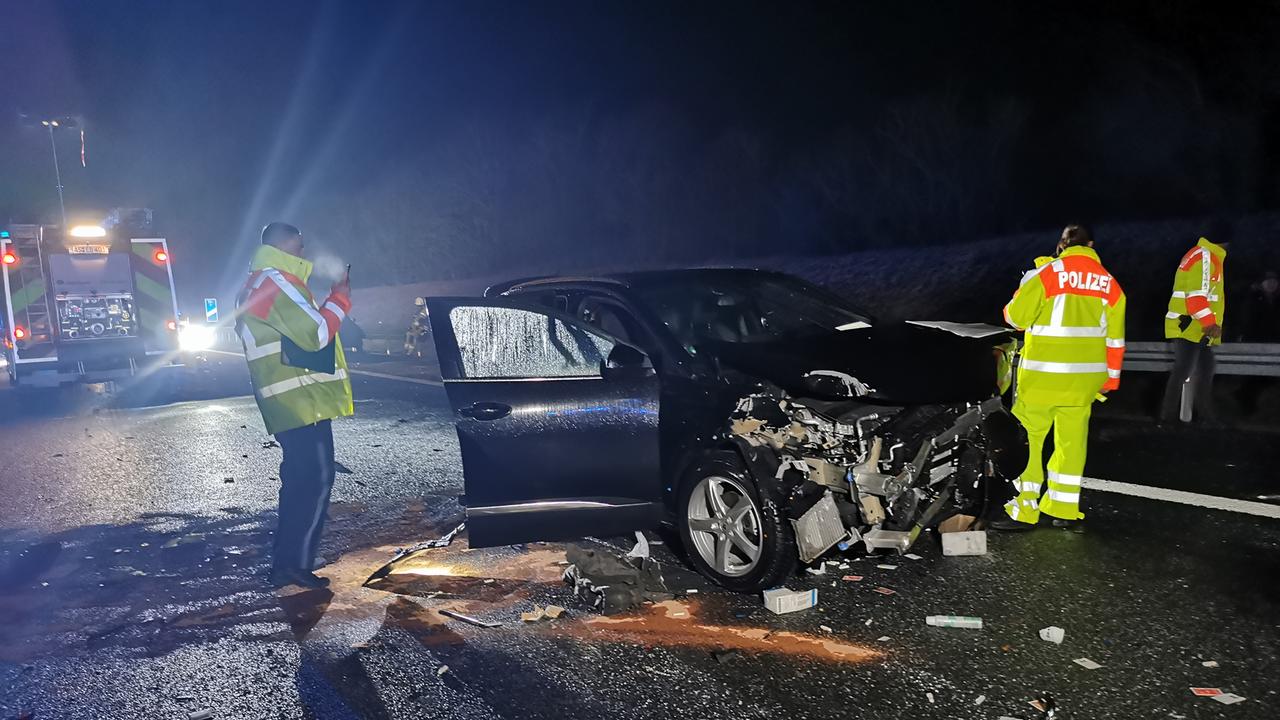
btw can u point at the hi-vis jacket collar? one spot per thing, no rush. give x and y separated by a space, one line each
269 256
1213 248
1080 250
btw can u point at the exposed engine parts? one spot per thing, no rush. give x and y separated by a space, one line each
873 474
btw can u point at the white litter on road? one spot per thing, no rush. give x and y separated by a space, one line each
1228 698
1086 663
1053 634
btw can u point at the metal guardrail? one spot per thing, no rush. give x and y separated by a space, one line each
1257 359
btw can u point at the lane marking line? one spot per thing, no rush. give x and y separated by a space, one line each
1212 502
370 373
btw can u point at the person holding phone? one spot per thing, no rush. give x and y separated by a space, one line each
299 377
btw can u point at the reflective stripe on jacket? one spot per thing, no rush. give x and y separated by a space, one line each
1199 293
1072 310
275 303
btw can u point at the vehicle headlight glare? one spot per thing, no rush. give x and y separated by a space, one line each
194 338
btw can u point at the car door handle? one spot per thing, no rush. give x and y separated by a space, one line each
485 411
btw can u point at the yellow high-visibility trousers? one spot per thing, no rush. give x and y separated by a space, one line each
1070 425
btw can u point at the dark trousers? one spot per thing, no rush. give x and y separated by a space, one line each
1194 361
306 479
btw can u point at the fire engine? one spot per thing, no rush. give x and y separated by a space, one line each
87 303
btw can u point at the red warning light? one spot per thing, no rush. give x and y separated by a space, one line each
9 259
172 325
19 333
161 257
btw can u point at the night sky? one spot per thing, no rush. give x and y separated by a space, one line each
343 117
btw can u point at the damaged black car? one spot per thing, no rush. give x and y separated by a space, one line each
761 416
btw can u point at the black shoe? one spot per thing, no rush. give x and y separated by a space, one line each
1008 524
294 576
1072 525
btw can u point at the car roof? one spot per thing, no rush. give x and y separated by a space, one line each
640 278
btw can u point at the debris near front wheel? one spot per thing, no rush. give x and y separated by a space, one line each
1086 663
1229 698
784 600
612 584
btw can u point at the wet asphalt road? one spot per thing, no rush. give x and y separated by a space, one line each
132 529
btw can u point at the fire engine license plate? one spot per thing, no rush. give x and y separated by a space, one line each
89 249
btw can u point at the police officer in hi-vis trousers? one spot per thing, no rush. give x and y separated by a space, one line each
1072 312
299 377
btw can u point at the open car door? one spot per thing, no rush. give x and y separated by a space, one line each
557 423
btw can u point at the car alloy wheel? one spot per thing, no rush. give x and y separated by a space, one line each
724 525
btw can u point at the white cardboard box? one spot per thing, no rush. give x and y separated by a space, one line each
784 600
972 542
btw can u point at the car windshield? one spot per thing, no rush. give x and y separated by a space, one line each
747 308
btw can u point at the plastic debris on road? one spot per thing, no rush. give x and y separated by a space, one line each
980 699
1086 663
883 638
1228 698
885 591
825 628
641 548
784 600
820 570
440 671
615 584
1209 663
553 611
205 714
912 556
1053 634
955 621
887 567
533 615
971 542
1205 692
930 696
852 578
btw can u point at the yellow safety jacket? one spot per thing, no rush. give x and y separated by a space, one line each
1199 293
1072 311
275 303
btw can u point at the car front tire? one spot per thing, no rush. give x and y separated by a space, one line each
733 528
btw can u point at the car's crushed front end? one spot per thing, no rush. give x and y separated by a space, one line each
858 473
871 435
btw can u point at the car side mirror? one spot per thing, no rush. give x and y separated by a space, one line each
626 362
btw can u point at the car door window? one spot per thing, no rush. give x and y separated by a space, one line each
499 342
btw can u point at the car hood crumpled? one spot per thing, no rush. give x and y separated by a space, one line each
899 363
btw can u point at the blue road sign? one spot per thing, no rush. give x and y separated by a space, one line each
211 310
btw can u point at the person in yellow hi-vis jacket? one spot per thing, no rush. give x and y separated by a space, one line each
1072 311
299 377
1193 326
